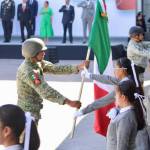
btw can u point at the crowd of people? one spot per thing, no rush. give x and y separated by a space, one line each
27 12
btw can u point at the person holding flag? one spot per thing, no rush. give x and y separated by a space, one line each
124 70
99 42
32 88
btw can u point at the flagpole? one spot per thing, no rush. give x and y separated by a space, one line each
80 93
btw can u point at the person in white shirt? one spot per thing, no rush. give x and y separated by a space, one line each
17 129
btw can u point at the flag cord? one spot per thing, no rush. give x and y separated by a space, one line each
80 93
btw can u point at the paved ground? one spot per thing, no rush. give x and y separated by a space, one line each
56 122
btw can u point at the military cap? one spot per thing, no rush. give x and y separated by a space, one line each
32 46
136 30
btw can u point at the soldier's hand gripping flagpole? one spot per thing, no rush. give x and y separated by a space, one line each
79 97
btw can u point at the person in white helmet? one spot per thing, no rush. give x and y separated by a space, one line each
31 85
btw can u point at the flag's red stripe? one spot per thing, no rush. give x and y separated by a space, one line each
101 120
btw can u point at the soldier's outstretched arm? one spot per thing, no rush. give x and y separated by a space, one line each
47 92
108 99
48 67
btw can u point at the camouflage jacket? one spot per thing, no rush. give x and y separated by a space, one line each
32 88
139 53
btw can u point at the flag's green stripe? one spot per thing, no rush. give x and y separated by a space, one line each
99 39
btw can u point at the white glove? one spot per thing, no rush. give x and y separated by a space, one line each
85 73
78 113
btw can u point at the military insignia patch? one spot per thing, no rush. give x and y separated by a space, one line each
36 77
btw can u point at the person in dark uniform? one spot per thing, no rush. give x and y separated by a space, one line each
7 13
67 20
33 4
24 16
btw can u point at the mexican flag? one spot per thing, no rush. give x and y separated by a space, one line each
99 42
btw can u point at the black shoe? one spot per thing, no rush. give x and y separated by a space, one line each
63 42
84 42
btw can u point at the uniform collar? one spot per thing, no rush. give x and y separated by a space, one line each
122 110
13 147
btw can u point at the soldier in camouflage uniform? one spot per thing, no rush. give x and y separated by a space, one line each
31 86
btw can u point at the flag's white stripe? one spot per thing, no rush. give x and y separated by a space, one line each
102 5
108 71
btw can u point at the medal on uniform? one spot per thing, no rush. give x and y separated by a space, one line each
35 77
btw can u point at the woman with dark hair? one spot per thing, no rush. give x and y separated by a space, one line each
124 70
17 129
123 128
